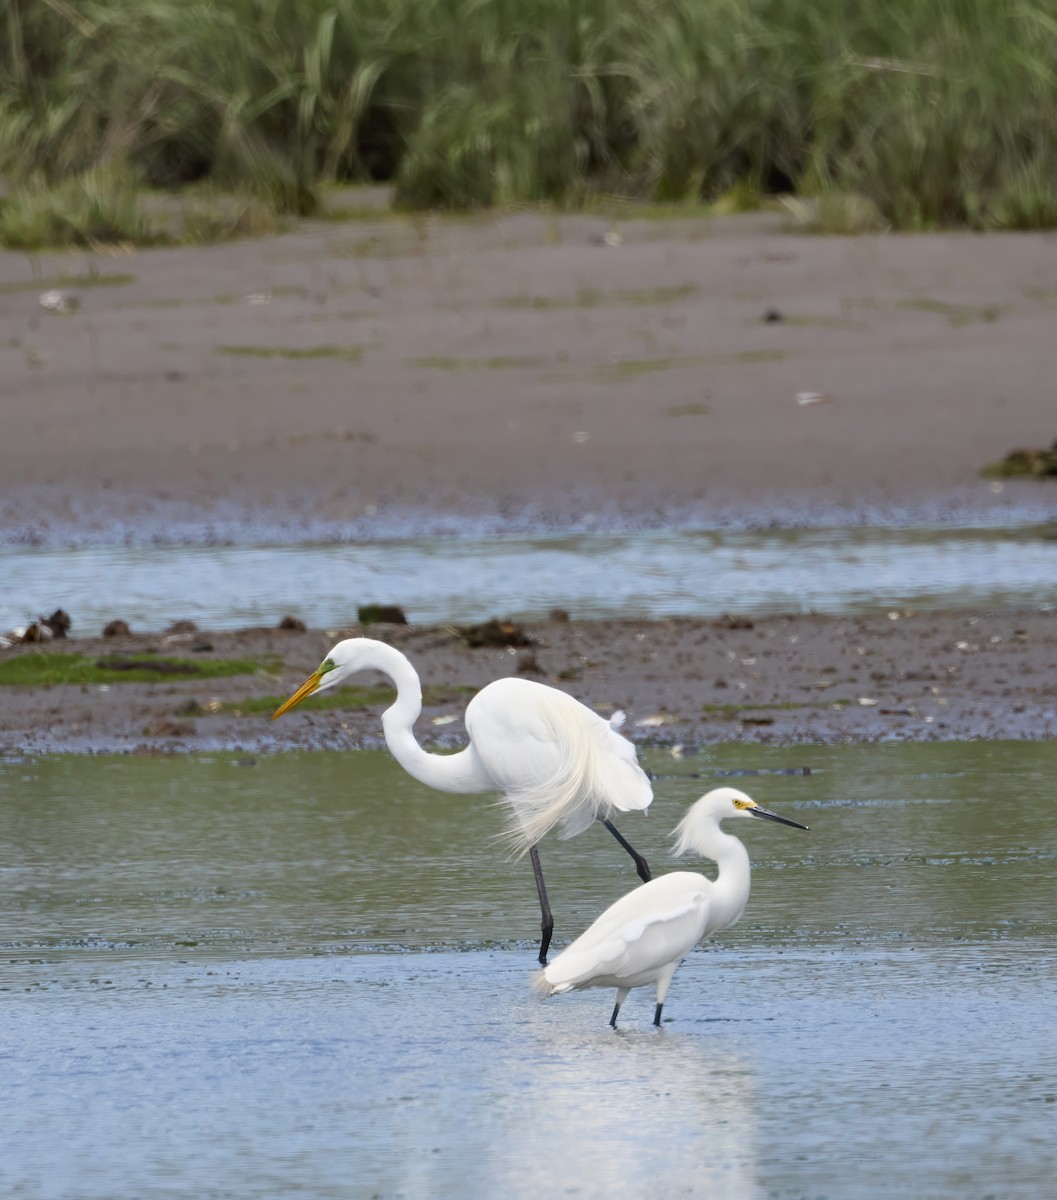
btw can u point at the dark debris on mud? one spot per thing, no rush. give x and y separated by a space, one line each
682 682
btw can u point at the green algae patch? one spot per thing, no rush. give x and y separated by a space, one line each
47 669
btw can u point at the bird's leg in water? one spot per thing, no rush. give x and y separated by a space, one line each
622 995
664 979
546 920
641 865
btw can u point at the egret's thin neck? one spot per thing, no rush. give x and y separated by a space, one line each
447 772
733 880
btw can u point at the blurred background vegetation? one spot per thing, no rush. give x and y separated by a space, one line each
920 113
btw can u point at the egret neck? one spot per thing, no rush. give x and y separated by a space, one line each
459 772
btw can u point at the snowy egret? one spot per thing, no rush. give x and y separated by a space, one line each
643 936
553 759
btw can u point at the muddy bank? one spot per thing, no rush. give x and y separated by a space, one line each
385 375
681 682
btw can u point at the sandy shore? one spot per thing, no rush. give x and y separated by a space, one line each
376 375
784 680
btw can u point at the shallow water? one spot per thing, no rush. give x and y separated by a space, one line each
310 976
852 569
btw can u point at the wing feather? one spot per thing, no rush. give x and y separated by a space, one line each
649 927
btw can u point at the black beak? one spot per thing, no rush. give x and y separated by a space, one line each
770 816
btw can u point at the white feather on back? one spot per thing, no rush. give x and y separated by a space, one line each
555 760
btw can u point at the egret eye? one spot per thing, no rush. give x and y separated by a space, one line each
742 804
328 665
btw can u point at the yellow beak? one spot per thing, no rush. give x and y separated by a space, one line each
306 689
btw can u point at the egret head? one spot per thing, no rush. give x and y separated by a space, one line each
716 806
344 660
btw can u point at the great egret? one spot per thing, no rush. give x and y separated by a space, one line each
643 936
552 757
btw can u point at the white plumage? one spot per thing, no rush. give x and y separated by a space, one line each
643 937
555 761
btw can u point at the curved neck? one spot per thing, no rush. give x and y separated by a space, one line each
448 772
731 886
733 879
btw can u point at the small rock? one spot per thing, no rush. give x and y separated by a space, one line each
162 728
59 623
528 665
58 302
182 627
1028 462
190 709
495 633
116 628
773 315
558 615
35 633
201 647
381 614
726 621
293 624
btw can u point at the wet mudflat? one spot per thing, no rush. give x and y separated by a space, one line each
310 976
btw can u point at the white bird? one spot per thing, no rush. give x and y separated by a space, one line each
554 760
643 937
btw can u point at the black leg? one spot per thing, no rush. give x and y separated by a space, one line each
641 865
546 920
613 1018
657 1015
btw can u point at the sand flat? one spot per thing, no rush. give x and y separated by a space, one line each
516 362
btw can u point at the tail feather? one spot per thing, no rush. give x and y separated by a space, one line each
539 982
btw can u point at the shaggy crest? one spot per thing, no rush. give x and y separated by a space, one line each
717 804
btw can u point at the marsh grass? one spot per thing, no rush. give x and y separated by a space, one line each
46 669
910 114
95 208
